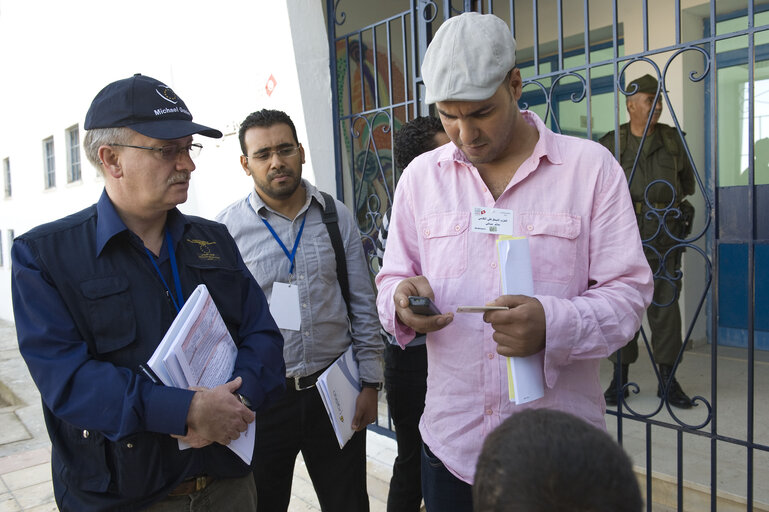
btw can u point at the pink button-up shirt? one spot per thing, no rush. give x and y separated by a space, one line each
570 198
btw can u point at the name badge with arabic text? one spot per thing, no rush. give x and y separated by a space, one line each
494 221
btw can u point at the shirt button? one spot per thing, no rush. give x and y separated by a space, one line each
129 445
304 304
301 276
426 232
488 412
457 227
86 434
306 333
490 355
494 264
529 227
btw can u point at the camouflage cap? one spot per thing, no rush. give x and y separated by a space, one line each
646 83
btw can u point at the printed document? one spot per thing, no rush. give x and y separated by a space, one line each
525 375
198 350
339 387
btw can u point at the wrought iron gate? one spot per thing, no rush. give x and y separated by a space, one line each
576 58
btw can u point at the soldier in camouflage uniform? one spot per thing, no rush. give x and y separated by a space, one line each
662 178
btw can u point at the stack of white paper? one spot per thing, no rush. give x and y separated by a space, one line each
525 375
198 350
339 387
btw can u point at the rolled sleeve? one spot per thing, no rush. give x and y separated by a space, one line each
602 319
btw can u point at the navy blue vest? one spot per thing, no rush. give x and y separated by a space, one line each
121 310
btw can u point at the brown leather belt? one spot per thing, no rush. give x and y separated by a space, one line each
192 485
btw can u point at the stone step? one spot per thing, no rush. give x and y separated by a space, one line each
696 497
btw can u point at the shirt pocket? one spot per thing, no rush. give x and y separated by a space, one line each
110 312
553 244
445 244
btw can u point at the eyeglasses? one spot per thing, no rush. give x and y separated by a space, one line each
170 152
266 155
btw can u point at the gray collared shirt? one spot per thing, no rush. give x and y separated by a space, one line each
324 334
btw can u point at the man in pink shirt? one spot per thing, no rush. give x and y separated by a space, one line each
568 196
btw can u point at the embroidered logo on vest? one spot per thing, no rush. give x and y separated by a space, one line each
205 250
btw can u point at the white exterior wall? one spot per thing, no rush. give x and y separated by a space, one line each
55 56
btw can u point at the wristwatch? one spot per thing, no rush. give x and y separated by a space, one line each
373 385
243 400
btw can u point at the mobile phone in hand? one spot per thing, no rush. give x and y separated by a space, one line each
423 306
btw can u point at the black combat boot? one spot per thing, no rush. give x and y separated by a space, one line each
610 395
676 395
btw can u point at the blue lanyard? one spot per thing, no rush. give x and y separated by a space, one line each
174 272
292 254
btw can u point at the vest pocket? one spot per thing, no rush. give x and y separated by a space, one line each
110 312
144 463
82 453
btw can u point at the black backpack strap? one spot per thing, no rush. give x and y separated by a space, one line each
331 220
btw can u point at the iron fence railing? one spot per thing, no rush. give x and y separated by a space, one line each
377 87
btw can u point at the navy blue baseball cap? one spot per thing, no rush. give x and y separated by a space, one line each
147 106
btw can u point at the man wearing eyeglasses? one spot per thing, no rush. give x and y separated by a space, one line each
281 234
95 292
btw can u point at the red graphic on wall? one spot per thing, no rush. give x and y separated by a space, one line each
270 85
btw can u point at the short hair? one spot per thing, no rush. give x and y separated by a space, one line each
542 460
98 137
414 138
264 119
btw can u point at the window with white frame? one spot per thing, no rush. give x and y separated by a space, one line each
11 236
7 176
73 154
49 162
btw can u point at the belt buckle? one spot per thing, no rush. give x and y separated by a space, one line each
298 386
200 483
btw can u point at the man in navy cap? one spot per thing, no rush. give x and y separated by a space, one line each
660 177
93 295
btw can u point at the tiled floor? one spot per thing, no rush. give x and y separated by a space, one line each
25 482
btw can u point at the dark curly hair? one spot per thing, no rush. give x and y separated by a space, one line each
542 460
264 119
414 138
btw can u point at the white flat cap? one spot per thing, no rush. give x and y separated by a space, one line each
468 58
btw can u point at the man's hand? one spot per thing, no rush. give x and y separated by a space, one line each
217 414
520 330
365 409
418 286
193 439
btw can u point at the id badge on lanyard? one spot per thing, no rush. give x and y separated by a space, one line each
284 301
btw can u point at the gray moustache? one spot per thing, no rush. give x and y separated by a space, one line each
179 178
